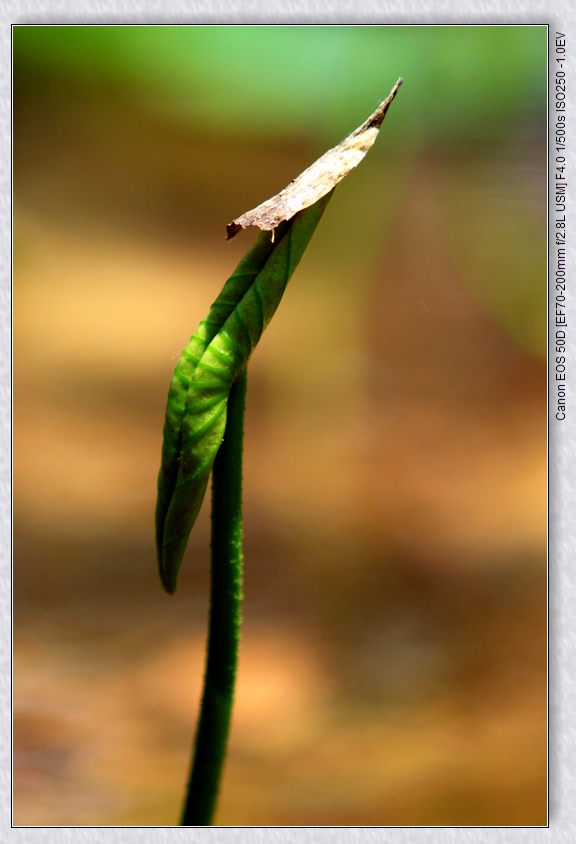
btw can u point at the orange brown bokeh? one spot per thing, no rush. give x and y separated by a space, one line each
393 666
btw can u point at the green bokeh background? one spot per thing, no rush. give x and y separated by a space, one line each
310 81
394 656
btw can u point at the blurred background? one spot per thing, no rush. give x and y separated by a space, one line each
393 662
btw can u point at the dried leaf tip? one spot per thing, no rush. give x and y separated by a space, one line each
318 179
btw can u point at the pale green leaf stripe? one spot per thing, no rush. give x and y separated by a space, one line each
229 296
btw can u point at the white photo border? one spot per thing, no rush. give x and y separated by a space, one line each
559 16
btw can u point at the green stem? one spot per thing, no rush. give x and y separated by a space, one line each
225 617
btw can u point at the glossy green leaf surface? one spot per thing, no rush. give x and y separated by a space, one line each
214 357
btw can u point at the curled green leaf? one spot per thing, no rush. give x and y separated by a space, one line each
215 356
232 292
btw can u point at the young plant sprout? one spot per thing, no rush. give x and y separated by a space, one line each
203 432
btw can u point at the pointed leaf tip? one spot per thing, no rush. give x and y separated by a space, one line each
318 179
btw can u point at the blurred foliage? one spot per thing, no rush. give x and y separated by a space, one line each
393 666
460 81
470 92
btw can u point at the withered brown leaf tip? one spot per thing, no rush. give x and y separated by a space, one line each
318 179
